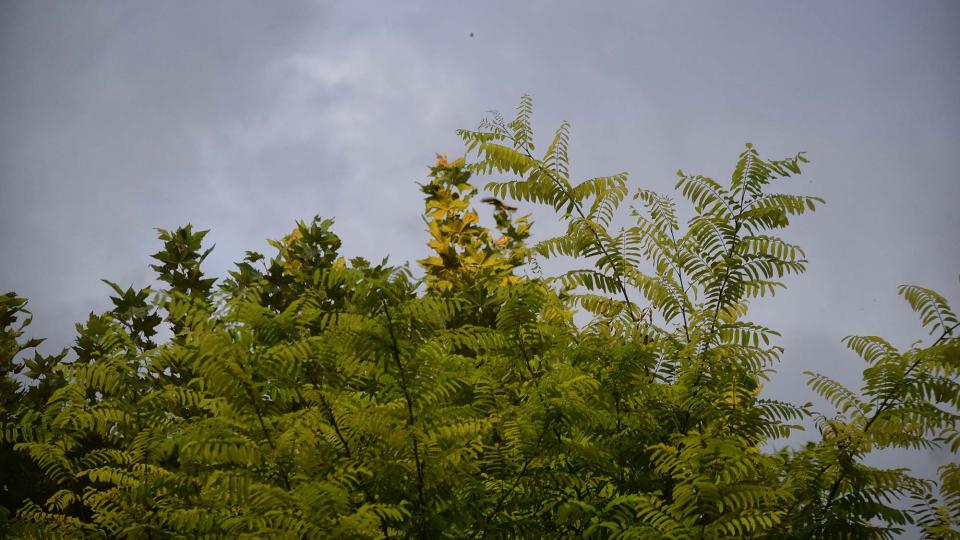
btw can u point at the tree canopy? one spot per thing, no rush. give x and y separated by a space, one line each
310 396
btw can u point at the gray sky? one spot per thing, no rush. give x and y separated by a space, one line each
241 117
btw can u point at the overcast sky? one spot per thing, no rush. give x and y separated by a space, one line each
241 117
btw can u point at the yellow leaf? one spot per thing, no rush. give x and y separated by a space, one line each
434 227
431 261
440 246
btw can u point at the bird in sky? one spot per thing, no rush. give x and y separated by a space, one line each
499 205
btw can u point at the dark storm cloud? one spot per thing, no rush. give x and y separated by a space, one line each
241 117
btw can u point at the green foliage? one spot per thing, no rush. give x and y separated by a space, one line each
313 397
20 404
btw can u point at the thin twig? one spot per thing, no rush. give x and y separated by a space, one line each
410 417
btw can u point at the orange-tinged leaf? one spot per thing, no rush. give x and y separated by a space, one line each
293 236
